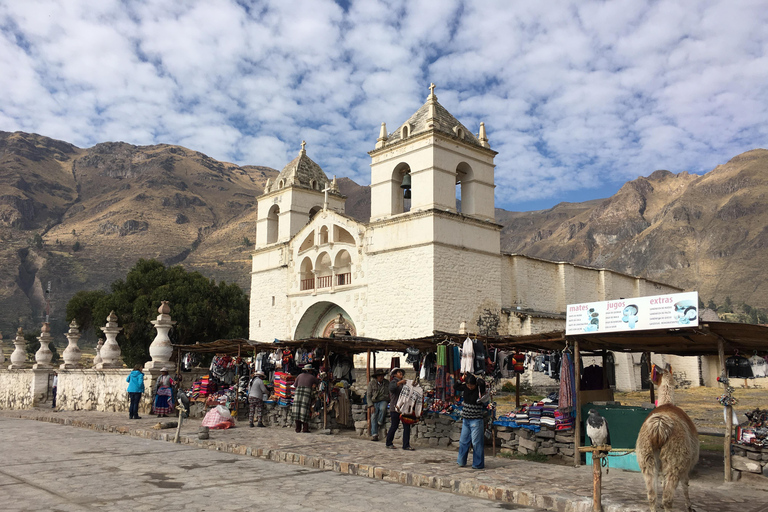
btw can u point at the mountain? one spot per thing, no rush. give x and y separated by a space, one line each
80 218
700 232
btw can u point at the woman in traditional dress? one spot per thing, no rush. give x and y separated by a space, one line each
301 411
163 397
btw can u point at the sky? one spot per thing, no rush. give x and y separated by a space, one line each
577 97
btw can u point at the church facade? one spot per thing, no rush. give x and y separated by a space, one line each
423 262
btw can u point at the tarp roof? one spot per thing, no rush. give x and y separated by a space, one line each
687 341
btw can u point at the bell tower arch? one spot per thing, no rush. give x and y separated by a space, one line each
426 158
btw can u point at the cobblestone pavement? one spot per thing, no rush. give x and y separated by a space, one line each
513 482
77 470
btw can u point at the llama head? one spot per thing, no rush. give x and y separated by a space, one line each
665 382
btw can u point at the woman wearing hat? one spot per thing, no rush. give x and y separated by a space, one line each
301 411
163 402
256 394
395 387
377 398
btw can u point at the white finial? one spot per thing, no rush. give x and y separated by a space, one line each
431 89
303 147
382 136
483 137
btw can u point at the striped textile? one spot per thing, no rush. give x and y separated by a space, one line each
163 403
301 410
567 395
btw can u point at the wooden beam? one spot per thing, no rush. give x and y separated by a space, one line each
577 379
367 381
728 413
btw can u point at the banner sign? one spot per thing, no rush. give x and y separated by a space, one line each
634 314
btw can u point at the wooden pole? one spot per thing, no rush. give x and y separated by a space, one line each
650 374
597 482
517 390
327 391
577 379
368 381
728 415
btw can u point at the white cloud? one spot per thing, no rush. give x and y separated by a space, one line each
573 96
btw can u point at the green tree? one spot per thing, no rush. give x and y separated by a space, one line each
76 246
728 307
37 240
204 311
711 305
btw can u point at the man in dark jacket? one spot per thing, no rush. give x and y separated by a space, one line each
395 387
377 396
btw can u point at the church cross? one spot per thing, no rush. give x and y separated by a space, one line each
304 145
432 89
325 190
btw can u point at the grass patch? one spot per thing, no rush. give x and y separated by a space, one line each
711 443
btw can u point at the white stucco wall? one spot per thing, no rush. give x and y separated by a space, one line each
16 389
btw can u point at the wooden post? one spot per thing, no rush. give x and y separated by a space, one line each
493 437
517 390
650 373
728 414
368 381
597 473
577 379
327 391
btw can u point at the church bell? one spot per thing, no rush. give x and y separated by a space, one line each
406 186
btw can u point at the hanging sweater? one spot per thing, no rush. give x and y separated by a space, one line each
473 409
467 356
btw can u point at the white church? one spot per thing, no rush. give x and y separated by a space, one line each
422 263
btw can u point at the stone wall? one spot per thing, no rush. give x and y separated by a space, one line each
750 459
16 389
547 442
432 430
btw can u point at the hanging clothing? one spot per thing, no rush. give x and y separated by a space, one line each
467 356
567 395
758 366
411 399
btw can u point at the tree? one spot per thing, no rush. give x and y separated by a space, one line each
711 305
37 240
76 246
203 310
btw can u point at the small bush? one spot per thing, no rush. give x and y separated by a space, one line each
76 247
508 387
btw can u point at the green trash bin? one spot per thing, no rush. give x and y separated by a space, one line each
624 424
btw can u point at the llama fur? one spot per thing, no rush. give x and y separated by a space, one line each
667 445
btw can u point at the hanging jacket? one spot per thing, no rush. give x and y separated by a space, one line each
467 356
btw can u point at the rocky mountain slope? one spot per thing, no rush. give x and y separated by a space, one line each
80 218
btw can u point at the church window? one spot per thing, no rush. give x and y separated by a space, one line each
313 212
323 271
343 268
404 132
273 300
464 199
323 235
401 188
308 242
273 220
313 184
343 236
280 184
306 276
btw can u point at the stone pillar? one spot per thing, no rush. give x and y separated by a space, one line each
97 357
2 356
72 353
19 355
110 352
44 355
161 349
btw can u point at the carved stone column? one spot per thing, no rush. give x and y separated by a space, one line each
19 355
2 356
72 353
97 357
110 352
161 349
44 355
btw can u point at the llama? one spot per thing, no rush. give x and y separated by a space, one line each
668 444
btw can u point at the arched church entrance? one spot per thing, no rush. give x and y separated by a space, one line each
321 319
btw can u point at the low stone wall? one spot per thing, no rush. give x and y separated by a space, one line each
96 390
546 441
432 430
750 459
16 389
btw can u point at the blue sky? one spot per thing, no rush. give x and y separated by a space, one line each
577 97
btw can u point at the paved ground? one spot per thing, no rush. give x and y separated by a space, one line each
62 468
561 488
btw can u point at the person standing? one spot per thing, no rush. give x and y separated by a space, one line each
256 395
301 410
377 397
395 388
54 388
164 394
135 389
472 422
